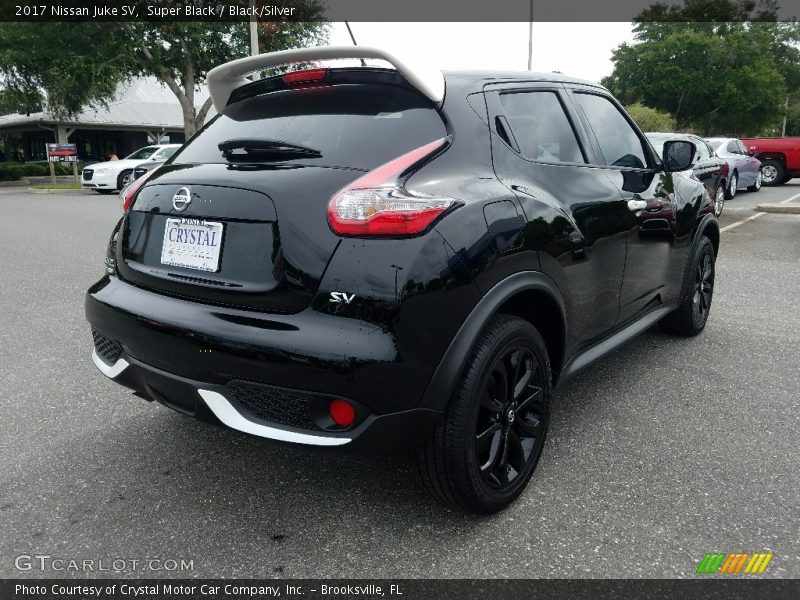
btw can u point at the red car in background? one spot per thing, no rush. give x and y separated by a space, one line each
780 158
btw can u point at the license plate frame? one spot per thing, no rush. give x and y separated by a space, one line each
182 247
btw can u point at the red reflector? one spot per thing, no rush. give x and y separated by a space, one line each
304 76
342 412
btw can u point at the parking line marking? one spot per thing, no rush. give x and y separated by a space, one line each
755 216
795 197
734 225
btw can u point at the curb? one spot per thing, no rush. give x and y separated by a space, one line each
791 208
67 191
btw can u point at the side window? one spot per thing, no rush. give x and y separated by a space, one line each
619 143
742 148
541 127
733 147
703 152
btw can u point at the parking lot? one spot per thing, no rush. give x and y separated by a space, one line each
665 450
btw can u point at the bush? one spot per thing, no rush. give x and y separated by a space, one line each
651 119
15 171
10 171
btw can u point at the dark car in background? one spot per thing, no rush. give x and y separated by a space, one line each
349 257
708 167
744 169
145 167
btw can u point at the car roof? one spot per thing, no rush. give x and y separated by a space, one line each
661 135
482 77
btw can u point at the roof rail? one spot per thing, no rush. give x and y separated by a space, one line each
224 79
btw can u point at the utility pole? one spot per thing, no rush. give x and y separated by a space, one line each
530 38
254 35
785 114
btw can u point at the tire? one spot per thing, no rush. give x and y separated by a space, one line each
691 316
719 199
787 178
757 185
772 172
124 179
730 190
481 457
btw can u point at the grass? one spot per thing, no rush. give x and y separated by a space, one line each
57 186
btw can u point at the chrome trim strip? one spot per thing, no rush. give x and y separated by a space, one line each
226 413
109 371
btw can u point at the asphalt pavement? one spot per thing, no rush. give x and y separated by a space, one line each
663 451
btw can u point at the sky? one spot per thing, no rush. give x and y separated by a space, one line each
579 49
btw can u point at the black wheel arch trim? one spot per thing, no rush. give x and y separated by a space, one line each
708 224
445 378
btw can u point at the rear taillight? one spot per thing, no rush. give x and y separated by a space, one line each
129 193
377 204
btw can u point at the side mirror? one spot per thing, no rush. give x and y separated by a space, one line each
678 155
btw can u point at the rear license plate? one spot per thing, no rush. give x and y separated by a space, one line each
192 244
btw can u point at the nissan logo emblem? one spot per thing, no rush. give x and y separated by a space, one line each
181 199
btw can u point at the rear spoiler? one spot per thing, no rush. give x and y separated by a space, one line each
224 79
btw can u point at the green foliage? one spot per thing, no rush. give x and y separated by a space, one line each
73 66
10 171
14 101
81 64
715 75
651 119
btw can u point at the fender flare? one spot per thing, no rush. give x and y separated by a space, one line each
708 221
445 377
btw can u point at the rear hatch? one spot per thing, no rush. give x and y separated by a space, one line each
238 216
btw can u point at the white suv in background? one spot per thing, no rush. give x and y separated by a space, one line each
106 177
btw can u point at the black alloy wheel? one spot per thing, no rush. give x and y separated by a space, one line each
690 317
509 429
486 450
703 288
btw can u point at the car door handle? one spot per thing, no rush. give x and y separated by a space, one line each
637 205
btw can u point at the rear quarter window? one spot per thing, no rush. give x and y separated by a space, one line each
358 126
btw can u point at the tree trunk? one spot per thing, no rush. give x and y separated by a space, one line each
189 126
186 95
200 119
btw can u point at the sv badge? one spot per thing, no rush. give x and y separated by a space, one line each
339 297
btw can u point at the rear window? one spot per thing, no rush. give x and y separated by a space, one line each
360 126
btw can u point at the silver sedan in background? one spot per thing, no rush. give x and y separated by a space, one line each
744 168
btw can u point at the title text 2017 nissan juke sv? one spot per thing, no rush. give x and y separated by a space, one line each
380 258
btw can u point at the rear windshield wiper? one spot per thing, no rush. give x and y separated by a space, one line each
249 149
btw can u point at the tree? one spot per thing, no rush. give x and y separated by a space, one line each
650 119
77 75
181 54
94 58
715 76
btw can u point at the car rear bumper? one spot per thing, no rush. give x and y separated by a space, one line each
268 375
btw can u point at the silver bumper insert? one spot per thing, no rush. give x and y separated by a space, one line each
226 413
109 371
